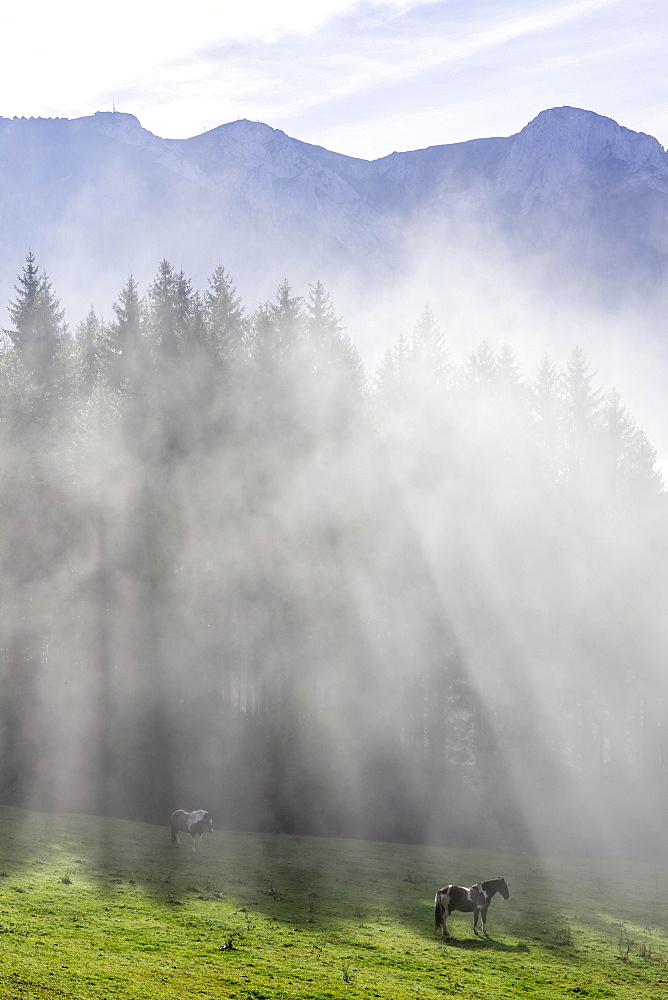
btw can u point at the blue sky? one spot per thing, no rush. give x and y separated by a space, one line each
363 78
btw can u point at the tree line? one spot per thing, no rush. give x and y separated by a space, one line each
241 570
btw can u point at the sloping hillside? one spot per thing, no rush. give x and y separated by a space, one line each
107 908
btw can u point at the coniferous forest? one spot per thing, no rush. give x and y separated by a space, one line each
242 572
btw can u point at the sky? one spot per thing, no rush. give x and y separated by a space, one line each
362 78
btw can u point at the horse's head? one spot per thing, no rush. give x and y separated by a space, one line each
502 887
207 819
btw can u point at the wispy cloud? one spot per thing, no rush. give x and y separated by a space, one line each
453 71
66 57
370 64
358 53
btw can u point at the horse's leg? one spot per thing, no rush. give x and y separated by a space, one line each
476 914
484 919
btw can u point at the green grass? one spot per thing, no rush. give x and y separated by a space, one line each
93 909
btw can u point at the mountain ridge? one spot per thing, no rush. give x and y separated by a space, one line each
101 191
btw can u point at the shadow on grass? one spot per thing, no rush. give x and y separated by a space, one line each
482 944
321 884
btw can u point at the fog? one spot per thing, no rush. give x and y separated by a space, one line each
404 582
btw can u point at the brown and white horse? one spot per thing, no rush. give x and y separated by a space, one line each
475 899
194 823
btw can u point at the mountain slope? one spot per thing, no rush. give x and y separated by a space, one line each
102 194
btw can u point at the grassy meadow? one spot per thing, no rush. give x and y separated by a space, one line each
109 909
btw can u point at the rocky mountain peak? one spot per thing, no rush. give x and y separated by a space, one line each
560 144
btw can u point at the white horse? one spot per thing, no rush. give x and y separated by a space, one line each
194 823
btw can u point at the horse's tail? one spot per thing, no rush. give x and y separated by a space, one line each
439 910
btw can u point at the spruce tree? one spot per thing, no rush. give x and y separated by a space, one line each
171 305
322 325
630 459
430 356
187 309
327 345
393 379
582 411
583 401
37 328
126 334
197 332
481 367
92 352
24 308
547 409
508 371
547 396
260 340
224 318
274 333
287 317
